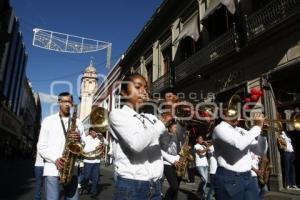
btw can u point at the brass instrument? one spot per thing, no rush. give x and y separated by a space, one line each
295 122
184 155
208 143
232 111
99 122
232 107
97 153
265 168
281 143
99 119
71 151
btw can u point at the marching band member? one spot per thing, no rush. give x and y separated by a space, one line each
91 169
232 149
288 156
136 149
51 146
170 144
201 165
212 170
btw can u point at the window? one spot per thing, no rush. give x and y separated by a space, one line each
149 69
218 23
167 57
188 47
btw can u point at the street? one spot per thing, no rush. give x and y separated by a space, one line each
18 182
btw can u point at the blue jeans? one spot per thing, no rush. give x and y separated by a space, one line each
231 185
128 189
38 174
203 171
211 190
289 168
52 188
91 171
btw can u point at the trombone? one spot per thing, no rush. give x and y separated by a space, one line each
99 119
232 110
99 122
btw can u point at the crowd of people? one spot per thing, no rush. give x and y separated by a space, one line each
148 148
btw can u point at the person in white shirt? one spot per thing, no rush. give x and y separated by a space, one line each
91 169
288 157
136 150
51 146
232 149
201 165
212 170
38 174
170 144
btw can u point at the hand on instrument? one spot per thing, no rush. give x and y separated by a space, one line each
99 147
177 164
258 119
59 163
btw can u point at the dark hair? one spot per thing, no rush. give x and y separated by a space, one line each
64 94
129 78
91 129
199 137
170 90
171 123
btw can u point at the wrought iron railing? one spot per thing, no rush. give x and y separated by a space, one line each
223 45
161 83
269 16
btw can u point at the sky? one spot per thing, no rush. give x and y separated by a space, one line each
115 21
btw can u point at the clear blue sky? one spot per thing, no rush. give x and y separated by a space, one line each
115 21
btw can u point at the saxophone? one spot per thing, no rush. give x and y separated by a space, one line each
72 150
265 168
282 145
184 156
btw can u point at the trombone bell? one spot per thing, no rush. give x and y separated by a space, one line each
99 119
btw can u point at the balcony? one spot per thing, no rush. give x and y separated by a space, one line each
161 83
271 15
226 43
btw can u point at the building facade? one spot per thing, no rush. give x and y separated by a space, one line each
13 59
31 119
211 49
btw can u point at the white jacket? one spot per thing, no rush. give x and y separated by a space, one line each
52 141
136 148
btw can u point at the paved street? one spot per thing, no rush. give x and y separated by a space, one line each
17 182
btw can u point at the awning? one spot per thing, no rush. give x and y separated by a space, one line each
191 29
216 4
